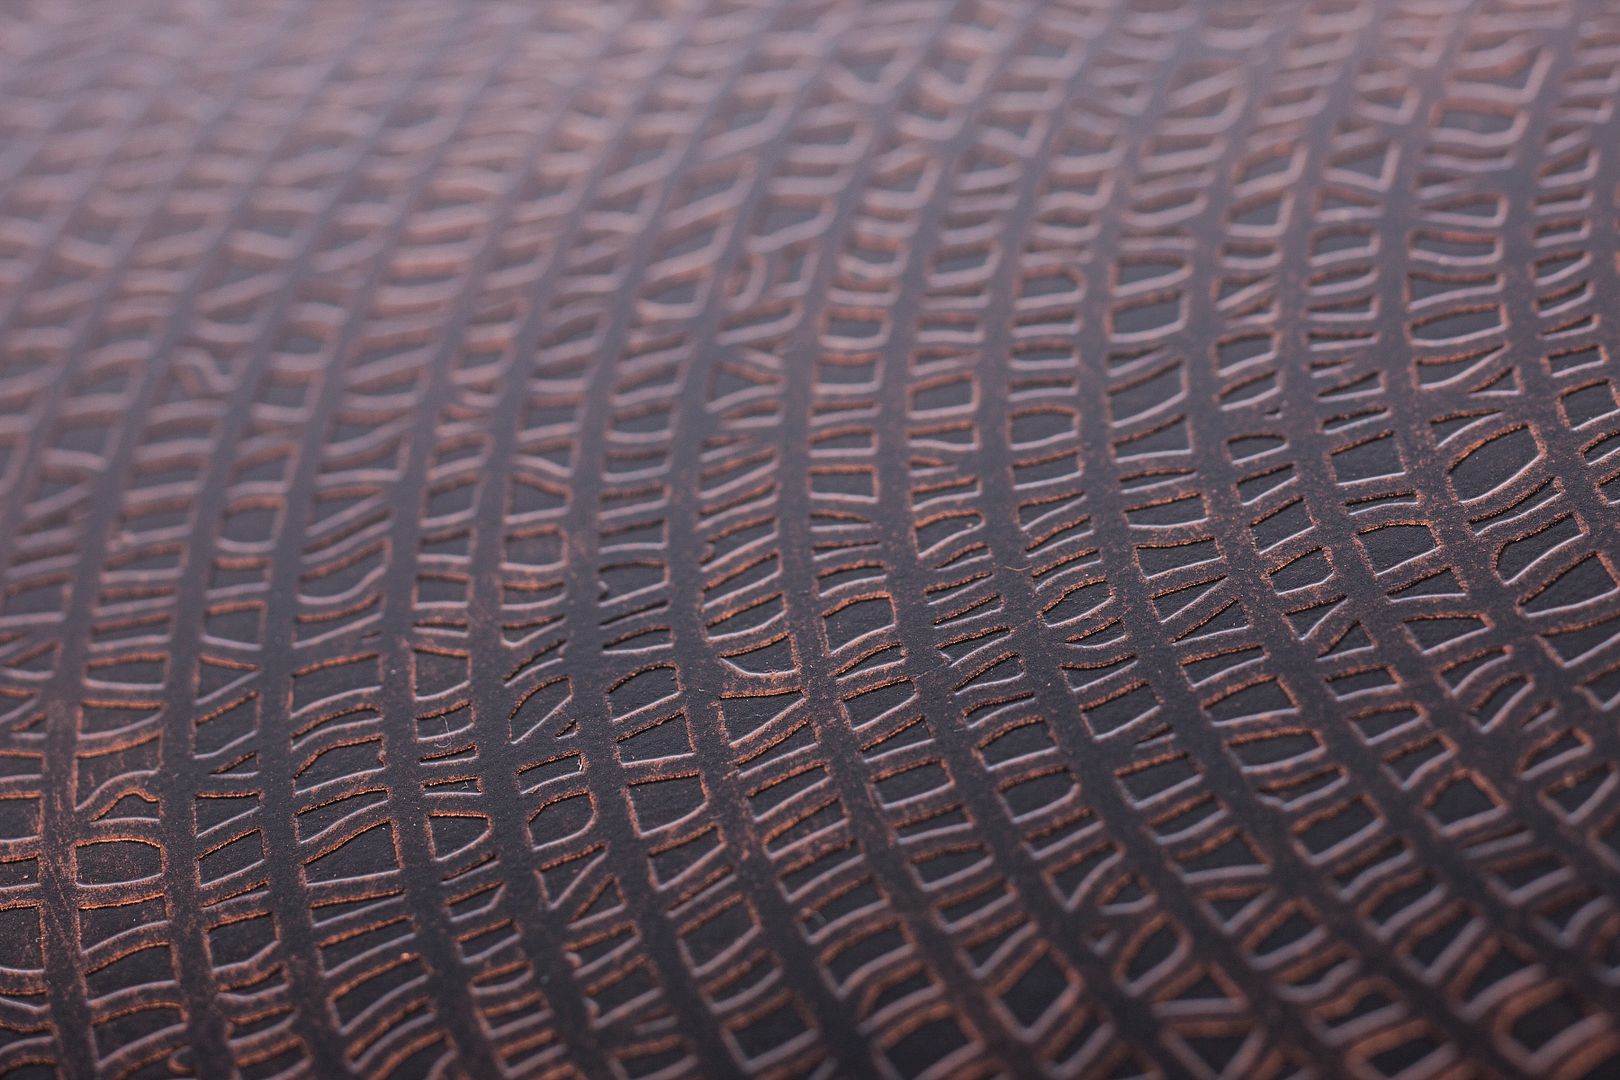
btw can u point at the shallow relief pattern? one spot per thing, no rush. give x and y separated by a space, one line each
810 538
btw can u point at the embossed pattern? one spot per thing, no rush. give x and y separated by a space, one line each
810 538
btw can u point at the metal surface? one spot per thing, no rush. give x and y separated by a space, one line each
810 538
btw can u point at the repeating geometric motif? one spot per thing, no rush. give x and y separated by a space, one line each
810 538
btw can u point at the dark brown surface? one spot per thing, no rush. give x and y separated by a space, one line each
810 538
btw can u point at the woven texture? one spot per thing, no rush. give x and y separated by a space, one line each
810 538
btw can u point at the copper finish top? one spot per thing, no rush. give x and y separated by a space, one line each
810 538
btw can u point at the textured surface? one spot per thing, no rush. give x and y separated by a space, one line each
810 539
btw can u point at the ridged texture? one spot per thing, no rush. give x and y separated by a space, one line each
810 538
